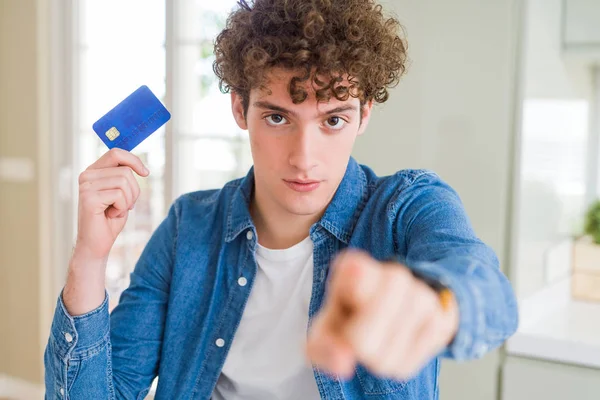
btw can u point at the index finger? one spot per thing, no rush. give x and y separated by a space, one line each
355 278
119 157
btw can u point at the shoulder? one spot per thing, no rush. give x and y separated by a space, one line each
406 188
205 204
406 178
403 180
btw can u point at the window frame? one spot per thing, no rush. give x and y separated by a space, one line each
65 61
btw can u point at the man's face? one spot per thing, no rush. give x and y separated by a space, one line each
300 151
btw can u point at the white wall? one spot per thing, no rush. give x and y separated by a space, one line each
582 27
551 187
453 113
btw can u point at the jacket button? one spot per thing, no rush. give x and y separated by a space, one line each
249 235
220 342
242 281
68 337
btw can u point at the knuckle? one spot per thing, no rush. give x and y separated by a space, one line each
85 186
122 181
131 177
120 197
114 154
83 177
128 172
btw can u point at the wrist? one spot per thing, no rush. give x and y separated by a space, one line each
85 259
84 290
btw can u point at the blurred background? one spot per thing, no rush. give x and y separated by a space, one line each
502 99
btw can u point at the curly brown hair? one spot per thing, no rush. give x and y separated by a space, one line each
324 40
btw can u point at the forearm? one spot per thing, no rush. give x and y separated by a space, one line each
435 236
488 312
84 290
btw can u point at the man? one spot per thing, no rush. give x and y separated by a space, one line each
311 256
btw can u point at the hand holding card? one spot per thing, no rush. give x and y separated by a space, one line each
108 190
132 120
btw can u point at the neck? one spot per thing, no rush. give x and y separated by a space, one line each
277 228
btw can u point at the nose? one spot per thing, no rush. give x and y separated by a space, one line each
304 148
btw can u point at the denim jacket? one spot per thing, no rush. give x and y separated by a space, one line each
179 315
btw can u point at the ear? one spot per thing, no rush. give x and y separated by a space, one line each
366 116
237 107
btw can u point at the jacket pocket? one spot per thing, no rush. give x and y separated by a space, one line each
373 385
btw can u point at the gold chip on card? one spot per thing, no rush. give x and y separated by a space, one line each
112 133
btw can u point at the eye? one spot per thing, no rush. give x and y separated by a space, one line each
275 119
335 123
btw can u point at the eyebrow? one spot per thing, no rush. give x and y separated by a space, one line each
270 106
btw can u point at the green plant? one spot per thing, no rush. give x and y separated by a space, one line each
592 221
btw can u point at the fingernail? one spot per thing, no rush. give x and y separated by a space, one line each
146 170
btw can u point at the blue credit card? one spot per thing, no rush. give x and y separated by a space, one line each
132 120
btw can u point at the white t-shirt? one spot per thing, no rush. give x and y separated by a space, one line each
267 360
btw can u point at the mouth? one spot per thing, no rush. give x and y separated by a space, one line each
302 186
